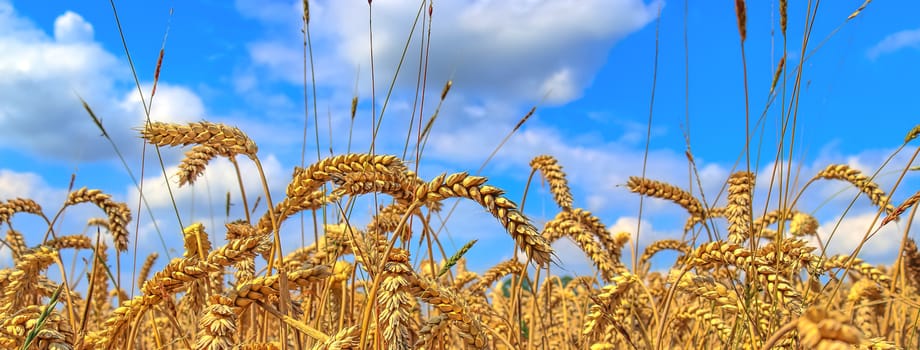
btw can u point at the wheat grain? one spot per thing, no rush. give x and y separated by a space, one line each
395 301
857 264
822 329
803 225
346 338
18 291
70 242
719 253
118 213
145 268
896 213
862 182
912 134
912 262
738 209
552 173
491 198
218 325
496 273
196 160
225 140
196 241
662 190
664 244
606 297
863 302
18 205
16 243
471 330
570 226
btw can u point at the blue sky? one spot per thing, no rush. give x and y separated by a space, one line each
587 65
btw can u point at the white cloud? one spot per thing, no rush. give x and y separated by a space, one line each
881 247
895 42
172 104
71 28
507 51
597 172
25 185
218 178
40 111
560 86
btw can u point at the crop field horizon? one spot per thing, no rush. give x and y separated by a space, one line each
479 175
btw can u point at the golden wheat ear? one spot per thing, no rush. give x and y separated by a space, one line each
117 213
738 209
666 191
210 140
462 185
862 182
552 173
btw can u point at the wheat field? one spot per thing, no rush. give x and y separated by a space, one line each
745 277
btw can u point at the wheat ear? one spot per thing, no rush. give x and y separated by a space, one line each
463 185
860 181
666 191
552 173
118 213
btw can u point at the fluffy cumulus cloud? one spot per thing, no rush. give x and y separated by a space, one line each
208 194
842 235
509 51
40 110
895 42
71 28
26 185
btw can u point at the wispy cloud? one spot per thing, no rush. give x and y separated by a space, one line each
895 42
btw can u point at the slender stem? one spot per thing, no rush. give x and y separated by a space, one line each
779 334
648 140
239 179
276 248
288 320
